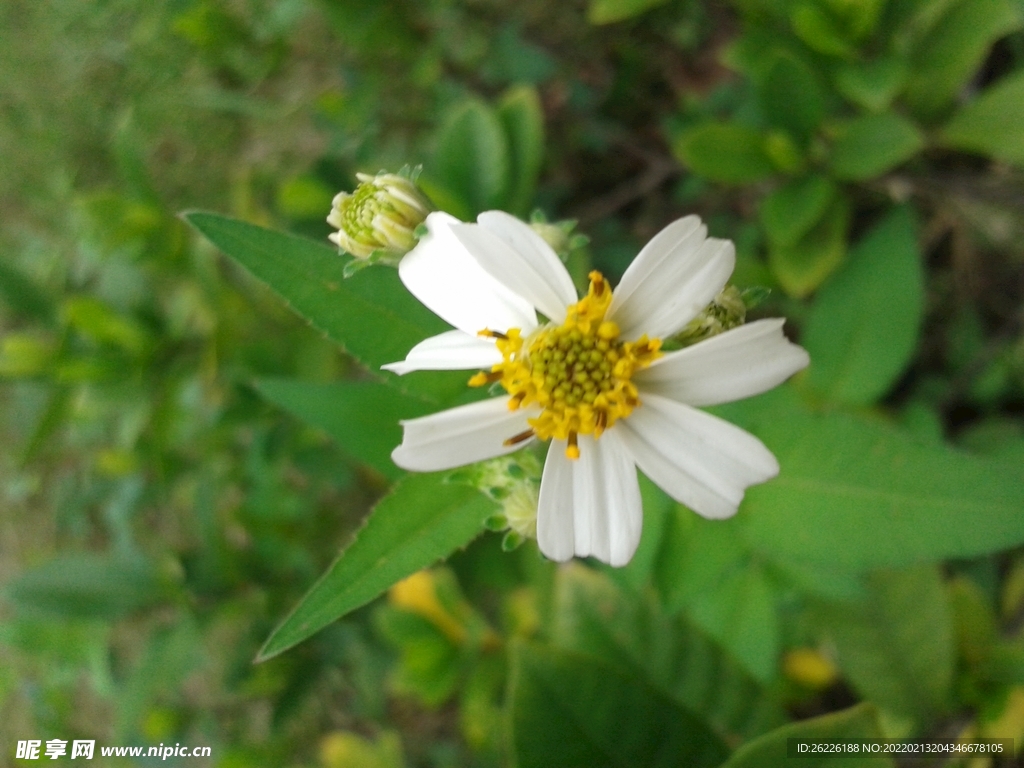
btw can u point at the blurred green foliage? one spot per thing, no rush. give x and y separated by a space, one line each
165 505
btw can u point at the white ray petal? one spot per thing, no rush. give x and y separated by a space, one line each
731 366
555 506
607 511
519 258
460 436
442 274
673 278
698 459
448 351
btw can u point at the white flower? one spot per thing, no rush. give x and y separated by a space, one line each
590 378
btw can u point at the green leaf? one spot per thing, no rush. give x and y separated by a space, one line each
726 152
472 159
993 123
572 710
422 520
771 750
863 326
896 647
872 84
362 416
630 632
86 585
791 96
803 266
22 295
855 493
371 314
820 30
523 119
954 50
871 145
792 210
607 11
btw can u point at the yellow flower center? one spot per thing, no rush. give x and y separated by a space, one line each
579 372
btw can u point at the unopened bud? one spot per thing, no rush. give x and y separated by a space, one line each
726 311
380 217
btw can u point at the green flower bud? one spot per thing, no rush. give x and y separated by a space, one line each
380 216
727 310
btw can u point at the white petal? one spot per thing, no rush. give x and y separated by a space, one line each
555 506
739 363
442 274
519 258
590 506
673 278
448 351
698 459
460 436
607 511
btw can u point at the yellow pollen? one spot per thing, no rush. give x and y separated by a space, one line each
579 372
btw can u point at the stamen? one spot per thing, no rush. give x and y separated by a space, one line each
493 334
572 450
601 420
484 377
515 439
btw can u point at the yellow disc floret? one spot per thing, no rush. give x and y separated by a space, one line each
579 372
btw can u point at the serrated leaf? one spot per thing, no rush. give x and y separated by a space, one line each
472 159
607 11
854 493
629 631
772 749
523 119
86 585
805 264
573 710
871 145
896 647
991 124
792 210
421 521
362 416
371 314
725 152
954 50
864 324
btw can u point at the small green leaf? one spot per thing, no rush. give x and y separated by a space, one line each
725 152
370 314
864 324
855 493
772 749
472 159
361 416
871 145
792 210
630 631
422 520
791 96
607 11
872 84
820 30
803 266
86 585
896 647
523 119
993 123
575 711
954 50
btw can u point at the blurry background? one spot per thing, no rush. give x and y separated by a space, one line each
158 517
